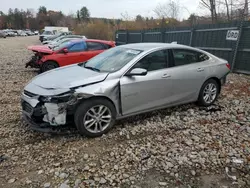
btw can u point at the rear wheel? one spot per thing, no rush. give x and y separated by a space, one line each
95 117
48 65
208 93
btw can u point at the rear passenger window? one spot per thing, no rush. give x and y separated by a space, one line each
185 57
107 46
92 46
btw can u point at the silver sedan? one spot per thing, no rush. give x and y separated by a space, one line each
122 82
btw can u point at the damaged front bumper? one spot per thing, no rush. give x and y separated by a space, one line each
40 127
45 116
33 62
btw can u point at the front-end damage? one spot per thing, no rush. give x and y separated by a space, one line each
47 113
34 61
56 114
39 53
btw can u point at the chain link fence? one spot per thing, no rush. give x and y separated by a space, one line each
230 41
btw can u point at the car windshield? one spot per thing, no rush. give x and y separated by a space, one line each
61 46
111 60
47 33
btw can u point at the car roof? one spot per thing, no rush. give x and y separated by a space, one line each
73 41
90 40
151 46
96 40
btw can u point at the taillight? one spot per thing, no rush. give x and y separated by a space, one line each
228 66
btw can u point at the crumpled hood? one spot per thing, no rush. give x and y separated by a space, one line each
68 77
41 48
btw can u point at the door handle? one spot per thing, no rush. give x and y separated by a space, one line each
166 76
200 69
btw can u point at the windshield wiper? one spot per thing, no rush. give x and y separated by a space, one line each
92 68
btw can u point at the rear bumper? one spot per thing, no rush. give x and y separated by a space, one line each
223 80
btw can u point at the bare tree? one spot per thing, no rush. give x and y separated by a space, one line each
171 9
227 8
246 7
235 6
126 20
211 6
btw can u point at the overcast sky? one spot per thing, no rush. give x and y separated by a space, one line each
100 8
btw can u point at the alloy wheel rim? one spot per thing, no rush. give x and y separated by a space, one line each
210 93
97 119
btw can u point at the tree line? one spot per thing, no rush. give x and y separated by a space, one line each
30 19
166 14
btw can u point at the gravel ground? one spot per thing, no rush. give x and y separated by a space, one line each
185 146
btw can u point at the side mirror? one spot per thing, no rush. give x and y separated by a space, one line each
137 72
65 50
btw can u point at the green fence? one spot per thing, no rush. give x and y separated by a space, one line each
212 38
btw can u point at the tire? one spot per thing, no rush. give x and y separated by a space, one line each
212 89
48 65
81 117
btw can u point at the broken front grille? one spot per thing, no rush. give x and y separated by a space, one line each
29 94
27 107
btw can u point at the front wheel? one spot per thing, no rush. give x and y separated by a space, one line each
95 117
48 65
208 93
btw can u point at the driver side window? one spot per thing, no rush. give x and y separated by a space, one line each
78 47
154 61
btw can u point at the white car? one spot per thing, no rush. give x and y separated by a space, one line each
23 34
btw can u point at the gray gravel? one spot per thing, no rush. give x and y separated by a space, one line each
184 146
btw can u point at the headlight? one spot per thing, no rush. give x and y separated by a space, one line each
65 97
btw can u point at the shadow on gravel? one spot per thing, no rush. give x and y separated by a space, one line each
71 131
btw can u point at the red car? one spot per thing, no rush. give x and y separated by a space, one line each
68 53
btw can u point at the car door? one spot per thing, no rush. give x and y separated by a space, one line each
187 72
74 55
142 93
